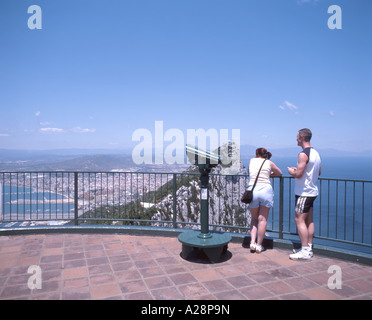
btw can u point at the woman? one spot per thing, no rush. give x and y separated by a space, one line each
263 195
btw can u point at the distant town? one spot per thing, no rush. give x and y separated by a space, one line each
48 185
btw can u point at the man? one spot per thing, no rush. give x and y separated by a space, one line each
306 176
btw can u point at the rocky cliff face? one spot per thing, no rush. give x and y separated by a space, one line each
227 183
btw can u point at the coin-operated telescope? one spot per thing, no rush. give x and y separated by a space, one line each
212 244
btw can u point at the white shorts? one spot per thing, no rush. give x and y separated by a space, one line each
263 195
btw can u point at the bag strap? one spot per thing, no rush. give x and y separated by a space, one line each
258 174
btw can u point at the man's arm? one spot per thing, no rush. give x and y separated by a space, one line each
301 164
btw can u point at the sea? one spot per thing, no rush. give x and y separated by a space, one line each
335 168
355 168
24 203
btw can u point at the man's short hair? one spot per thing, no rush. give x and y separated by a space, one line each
306 134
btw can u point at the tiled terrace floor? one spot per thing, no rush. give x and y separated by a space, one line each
117 266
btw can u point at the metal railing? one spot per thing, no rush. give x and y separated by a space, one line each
342 211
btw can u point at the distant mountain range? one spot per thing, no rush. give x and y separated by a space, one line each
107 160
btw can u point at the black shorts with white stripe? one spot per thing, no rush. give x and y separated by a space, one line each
303 203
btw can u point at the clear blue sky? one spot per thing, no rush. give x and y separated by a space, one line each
99 70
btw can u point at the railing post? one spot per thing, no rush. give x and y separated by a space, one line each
76 198
174 200
281 206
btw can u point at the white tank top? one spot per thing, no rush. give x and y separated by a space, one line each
254 166
306 185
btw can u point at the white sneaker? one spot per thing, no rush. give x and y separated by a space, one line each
302 254
259 248
252 246
298 250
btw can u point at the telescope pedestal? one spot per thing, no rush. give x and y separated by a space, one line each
214 245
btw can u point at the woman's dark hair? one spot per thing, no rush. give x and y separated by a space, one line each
263 153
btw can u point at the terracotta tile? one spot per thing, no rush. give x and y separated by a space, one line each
240 281
144 295
45 296
10 249
51 266
160 254
300 283
51 259
133 286
74 249
76 282
104 291
279 287
170 293
97 261
167 261
14 292
230 295
147 267
261 277
256 292
113 246
99 279
294 296
346 291
286 262
204 297
172 269
103 268
193 290
319 278
281 273
97 253
76 293
145 263
18 280
217 285
207 274
8 260
158 282
119 258
151 272
51 275
122 276
361 285
52 251
74 263
320 293
28 261
75 273
255 257
228 271
182 278
74 256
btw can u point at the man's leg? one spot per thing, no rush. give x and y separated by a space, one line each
310 226
305 227
302 229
